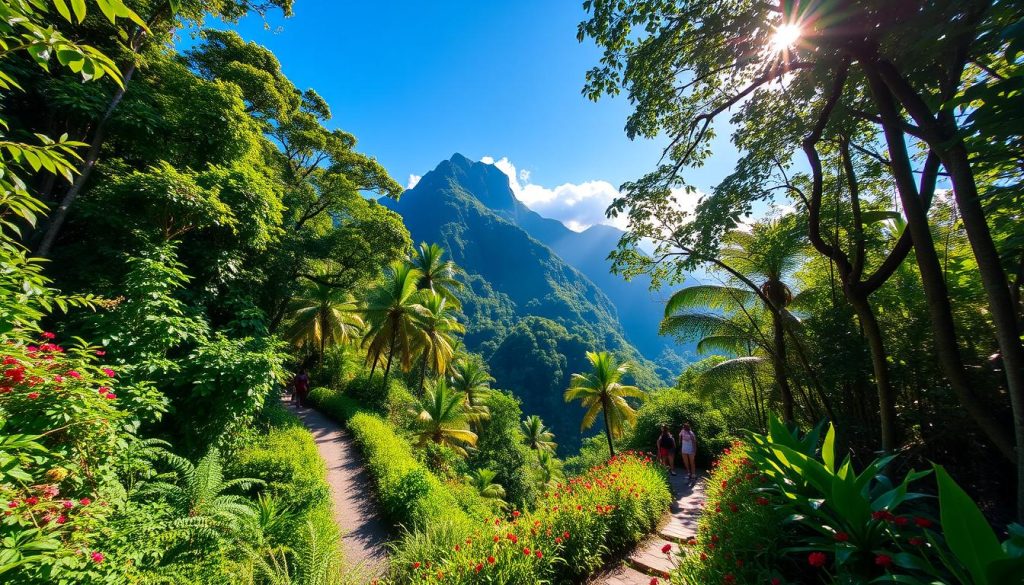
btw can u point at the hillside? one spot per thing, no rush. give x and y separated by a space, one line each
468 208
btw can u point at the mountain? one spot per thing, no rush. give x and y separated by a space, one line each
531 314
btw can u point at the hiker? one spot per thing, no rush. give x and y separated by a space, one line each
688 448
667 449
300 387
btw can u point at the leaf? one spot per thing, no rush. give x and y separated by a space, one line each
79 7
828 453
62 9
968 534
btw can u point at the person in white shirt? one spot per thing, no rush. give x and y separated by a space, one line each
688 448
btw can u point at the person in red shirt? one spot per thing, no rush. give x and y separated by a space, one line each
300 387
667 449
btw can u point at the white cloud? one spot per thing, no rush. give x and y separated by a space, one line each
413 180
577 205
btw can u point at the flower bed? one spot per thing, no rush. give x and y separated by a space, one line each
572 532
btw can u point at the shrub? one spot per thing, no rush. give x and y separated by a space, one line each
409 493
335 404
738 531
574 529
674 407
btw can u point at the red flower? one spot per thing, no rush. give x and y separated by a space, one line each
916 541
539 554
416 565
703 556
923 522
58 379
72 374
762 501
110 373
842 536
883 560
513 538
33 395
902 521
730 578
817 559
47 335
558 540
496 538
654 581
515 513
12 504
526 551
31 500
100 352
456 548
490 560
111 396
565 535
666 549
776 581
97 557
68 504
62 519
479 567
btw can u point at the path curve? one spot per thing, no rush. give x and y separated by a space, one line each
676 527
364 532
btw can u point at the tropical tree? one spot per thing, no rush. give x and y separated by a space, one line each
601 391
442 418
323 316
437 274
538 436
391 311
438 329
469 376
549 469
482 480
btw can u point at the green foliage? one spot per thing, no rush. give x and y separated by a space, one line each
601 391
571 532
674 408
500 446
442 417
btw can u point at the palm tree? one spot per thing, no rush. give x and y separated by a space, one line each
436 273
438 328
323 315
471 379
549 469
601 391
758 262
538 436
391 311
483 481
442 418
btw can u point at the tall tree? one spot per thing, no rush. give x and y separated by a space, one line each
438 329
538 436
392 310
323 316
442 418
601 391
439 275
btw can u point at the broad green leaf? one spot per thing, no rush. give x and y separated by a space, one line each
828 453
968 534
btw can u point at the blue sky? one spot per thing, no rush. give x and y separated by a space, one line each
418 81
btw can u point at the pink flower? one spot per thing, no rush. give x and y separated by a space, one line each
100 352
68 504
12 504
62 519
111 396
97 557
110 373
75 375
58 378
48 335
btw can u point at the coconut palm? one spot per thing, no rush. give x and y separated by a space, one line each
549 469
538 436
601 391
323 316
471 379
442 418
436 273
392 310
438 329
758 262
482 480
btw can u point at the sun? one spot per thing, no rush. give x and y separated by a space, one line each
786 35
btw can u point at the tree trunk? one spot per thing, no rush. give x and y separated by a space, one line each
391 354
607 429
886 399
933 284
997 289
779 365
88 164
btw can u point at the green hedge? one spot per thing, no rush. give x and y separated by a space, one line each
286 458
674 407
573 531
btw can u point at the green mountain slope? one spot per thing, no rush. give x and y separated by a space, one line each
530 313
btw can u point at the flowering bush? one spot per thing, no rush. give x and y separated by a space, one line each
61 429
574 528
816 520
738 532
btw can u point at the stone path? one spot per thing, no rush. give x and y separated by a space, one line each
364 532
680 524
